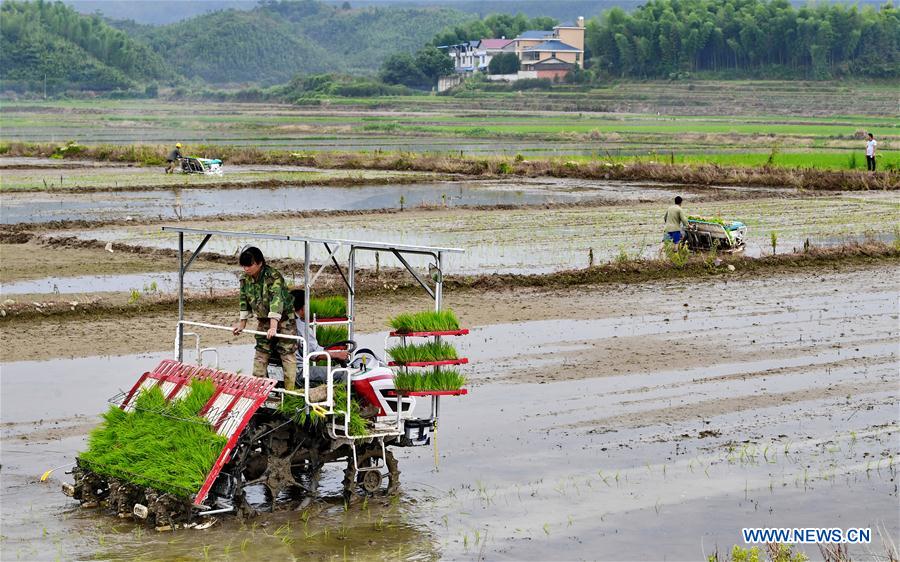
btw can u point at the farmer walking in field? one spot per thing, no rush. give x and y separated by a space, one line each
870 152
674 220
173 158
264 294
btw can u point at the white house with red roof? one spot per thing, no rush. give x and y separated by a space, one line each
542 53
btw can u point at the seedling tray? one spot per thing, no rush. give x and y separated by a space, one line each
460 392
460 361
462 332
336 320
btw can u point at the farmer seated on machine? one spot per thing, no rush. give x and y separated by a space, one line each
318 374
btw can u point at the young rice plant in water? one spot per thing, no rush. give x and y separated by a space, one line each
162 444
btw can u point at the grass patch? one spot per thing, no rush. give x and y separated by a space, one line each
329 335
430 351
442 321
328 307
443 379
161 444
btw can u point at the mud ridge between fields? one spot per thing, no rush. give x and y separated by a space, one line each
704 175
17 233
396 281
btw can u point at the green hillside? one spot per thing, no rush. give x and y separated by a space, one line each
277 40
50 43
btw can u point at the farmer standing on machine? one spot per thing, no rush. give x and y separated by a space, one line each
675 220
173 158
264 294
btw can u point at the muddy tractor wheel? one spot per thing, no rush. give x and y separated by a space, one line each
279 461
376 475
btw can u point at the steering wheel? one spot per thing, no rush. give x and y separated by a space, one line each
350 346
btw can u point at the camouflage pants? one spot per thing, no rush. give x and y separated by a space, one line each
285 349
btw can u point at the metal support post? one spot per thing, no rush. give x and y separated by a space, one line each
351 293
179 337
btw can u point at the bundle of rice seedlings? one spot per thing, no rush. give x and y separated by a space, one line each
160 444
295 407
443 379
328 307
327 335
431 351
442 321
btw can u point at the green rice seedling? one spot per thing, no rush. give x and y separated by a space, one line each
163 445
443 379
328 307
430 351
441 321
329 335
295 407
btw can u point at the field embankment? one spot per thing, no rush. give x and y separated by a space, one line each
806 178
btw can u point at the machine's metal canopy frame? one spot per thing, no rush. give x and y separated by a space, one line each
358 244
332 245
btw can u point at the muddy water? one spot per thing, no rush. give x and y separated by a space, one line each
144 283
629 436
537 241
197 202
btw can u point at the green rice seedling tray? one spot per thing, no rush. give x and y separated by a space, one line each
428 321
233 402
462 332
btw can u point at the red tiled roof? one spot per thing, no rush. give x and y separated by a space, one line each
494 43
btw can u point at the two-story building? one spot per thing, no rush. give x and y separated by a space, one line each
552 54
542 53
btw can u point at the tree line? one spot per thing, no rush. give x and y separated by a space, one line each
666 38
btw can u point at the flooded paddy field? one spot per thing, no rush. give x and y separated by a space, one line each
532 240
198 202
631 422
80 178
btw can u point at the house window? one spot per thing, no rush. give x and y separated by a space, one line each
553 54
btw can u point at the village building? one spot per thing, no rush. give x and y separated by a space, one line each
541 53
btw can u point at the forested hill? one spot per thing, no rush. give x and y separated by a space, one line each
277 40
50 44
266 45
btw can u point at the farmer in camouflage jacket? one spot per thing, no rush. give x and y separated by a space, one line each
264 295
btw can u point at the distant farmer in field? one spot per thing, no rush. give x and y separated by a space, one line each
265 295
674 220
173 158
870 152
317 374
